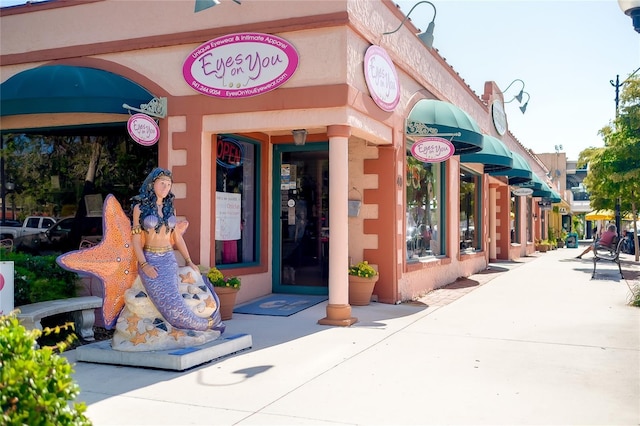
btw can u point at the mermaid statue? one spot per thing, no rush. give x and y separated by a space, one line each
163 306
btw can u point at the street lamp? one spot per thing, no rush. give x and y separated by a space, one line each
618 85
631 8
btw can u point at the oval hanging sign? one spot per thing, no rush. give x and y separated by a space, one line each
432 150
382 78
522 192
143 129
240 65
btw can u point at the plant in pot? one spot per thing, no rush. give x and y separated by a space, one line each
362 280
226 289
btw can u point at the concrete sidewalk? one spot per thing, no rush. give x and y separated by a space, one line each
530 342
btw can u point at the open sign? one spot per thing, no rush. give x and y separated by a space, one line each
229 153
432 150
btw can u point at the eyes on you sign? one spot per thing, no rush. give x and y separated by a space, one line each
240 65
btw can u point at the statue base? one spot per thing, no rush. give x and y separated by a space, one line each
174 359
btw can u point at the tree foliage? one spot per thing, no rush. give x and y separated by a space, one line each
51 171
614 170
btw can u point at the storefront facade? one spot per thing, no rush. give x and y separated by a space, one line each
289 217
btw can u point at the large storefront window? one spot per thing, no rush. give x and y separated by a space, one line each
424 183
469 196
236 215
515 224
529 219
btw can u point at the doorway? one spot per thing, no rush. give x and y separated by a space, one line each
301 219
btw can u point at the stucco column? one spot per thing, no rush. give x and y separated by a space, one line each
492 223
338 308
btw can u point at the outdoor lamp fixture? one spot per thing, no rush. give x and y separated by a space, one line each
519 95
631 8
427 36
523 108
299 136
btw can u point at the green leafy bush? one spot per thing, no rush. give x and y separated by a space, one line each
39 278
36 387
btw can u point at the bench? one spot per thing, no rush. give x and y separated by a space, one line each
607 254
82 308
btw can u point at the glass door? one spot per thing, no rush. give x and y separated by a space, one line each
301 219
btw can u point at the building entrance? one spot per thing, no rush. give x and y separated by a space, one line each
301 219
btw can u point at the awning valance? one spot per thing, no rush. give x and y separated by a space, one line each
519 173
430 117
544 191
555 197
55 89
494 155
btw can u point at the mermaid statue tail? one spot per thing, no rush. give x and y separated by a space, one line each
165 295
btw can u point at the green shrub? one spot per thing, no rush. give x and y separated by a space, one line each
635 296
36 387
39 278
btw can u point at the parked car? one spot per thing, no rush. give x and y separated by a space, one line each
60 237
31 225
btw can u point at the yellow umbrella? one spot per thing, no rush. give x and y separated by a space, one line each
600 215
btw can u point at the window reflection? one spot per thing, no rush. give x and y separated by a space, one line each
423 209
469 232
236 171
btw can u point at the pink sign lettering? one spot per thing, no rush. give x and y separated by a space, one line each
382 78
432 150
143 129
240 65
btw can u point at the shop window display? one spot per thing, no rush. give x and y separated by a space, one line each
469 195
424 195
236 204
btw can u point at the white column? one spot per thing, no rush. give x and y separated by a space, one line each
338 308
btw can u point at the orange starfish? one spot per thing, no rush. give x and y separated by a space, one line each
187 278
138 339
112 260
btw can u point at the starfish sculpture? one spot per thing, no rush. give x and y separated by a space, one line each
112 260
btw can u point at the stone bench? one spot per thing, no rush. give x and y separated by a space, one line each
81 307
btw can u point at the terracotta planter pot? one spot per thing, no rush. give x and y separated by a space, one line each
227 298
361 289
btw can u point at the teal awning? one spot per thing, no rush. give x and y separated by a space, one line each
430 117
534 183
555 197
544 191
520 173
494 155
55 89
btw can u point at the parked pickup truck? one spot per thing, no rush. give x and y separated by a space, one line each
31 225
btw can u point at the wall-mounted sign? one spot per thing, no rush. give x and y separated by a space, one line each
240 65
522 192
229 153
499 117
143 129
382 78
432 150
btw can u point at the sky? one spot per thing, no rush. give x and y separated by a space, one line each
565 52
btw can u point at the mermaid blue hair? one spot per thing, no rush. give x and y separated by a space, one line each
147 198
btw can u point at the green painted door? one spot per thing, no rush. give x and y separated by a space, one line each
301 219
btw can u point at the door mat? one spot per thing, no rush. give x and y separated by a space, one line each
279 305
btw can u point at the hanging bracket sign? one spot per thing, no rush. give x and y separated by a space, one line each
143 129
522 192
432 150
